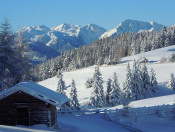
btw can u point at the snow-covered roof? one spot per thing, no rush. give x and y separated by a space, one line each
37 91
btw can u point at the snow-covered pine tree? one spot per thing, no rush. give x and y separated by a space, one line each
14 65
73 96
115 93
146 84
61 84
128 87
153 81
6 56
109 83
97 96
137 82
171 83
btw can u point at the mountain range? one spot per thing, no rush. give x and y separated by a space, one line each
46 43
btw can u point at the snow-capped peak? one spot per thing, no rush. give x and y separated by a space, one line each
42 27
71 30
132 26
36 29
91 27
89 32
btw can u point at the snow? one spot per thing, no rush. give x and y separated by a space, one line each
151 123
153 56
72 123
164 95
150 102
162 100
71 30
35 128
162 70
88 123
96 122
108 33
37 91
132 26
67 35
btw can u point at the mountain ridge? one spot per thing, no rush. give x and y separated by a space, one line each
66 36
130 25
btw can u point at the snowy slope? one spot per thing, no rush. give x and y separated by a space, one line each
80 76
163 72
35 128
155 55
132 26
88 123
162 100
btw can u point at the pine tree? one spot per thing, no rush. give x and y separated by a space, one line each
73 96
137 82
61 84
146 84
109 83
6 55
115 93
14 65
128 87
171 83
97 96
153 81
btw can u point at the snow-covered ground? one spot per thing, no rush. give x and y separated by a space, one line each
153 56
88 123
163 96
96 122
35 128
151 123
163 71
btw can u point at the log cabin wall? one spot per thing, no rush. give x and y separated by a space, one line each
39 112
53 115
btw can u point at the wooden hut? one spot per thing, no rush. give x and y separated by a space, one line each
28 103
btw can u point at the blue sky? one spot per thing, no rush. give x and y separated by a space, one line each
105 13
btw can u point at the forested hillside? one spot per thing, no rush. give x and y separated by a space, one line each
107 51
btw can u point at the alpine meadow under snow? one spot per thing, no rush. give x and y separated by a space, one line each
163 96
162 70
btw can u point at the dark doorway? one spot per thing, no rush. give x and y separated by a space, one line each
22 116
